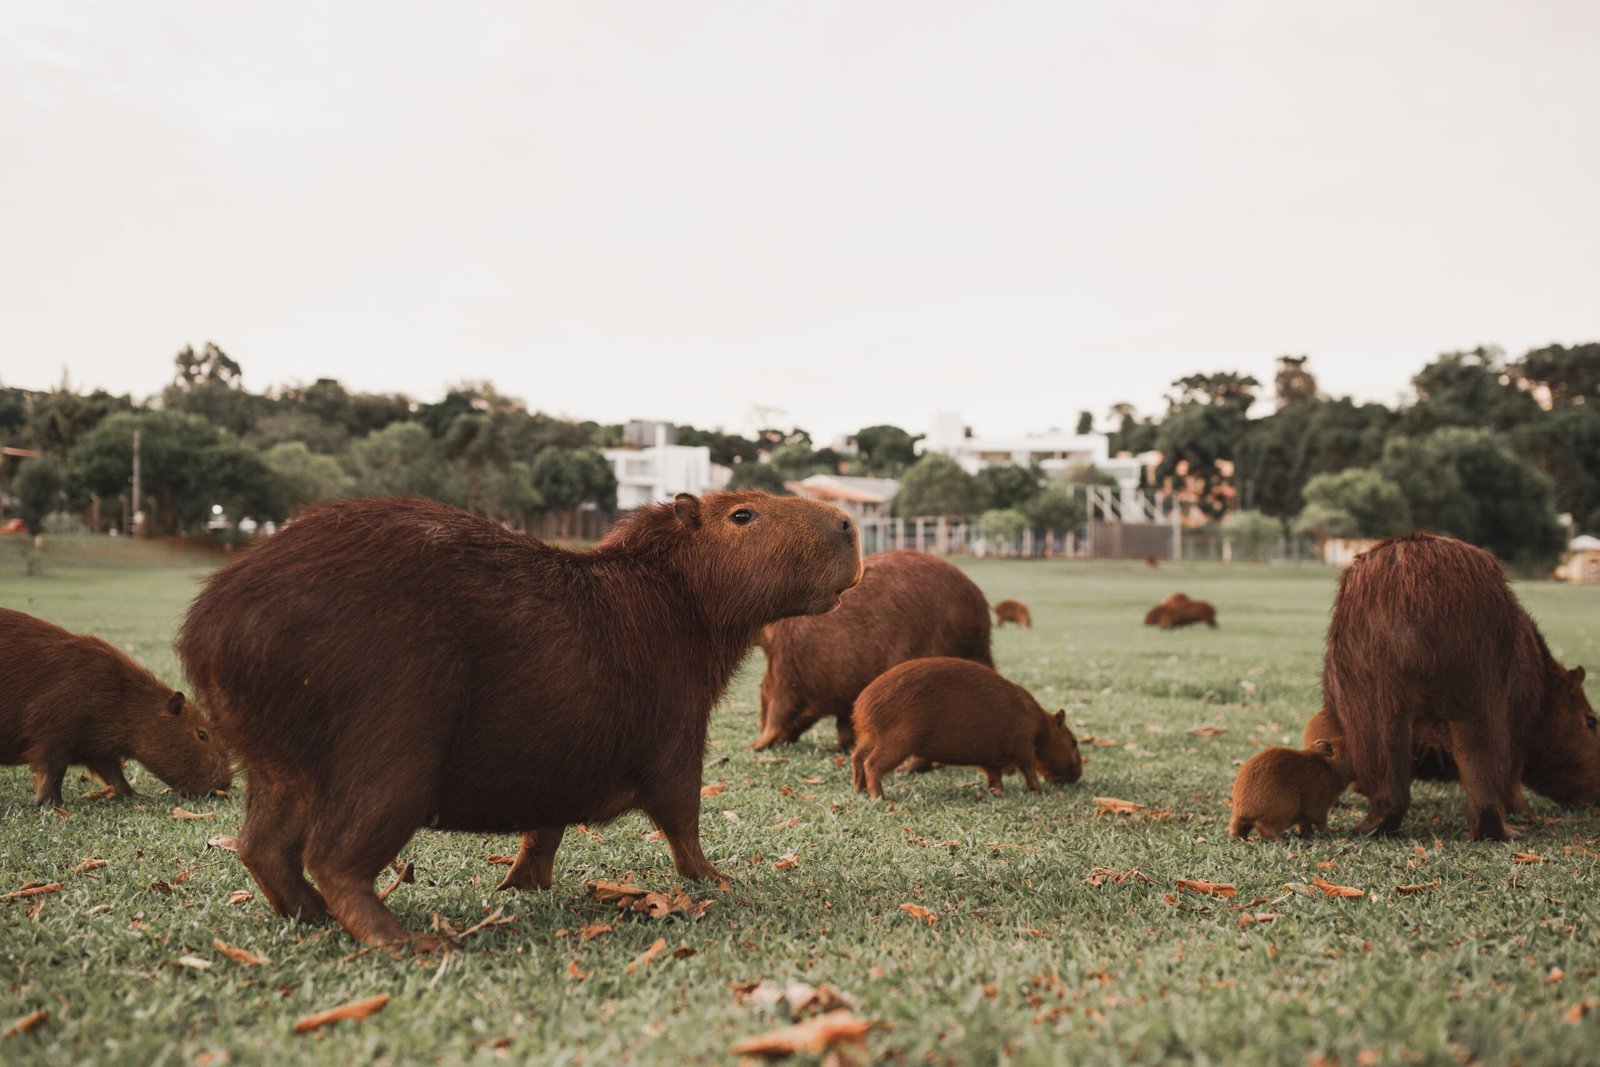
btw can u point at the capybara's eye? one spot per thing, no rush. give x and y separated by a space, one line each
743 517
202 735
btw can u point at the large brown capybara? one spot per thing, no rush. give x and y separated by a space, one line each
1278 788
957 711
1429 649
73 698
1012 611
385 665
908 605
1178 610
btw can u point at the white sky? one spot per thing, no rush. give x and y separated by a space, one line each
857 212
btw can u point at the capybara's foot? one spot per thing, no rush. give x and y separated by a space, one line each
1381 819
915 765
1490 826
536 860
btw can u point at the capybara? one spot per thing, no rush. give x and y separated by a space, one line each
1178 610
957 711
1429 649
907 606
73 698
1012 611
1278 788
1152 563
385 665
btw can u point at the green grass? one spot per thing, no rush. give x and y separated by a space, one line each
1029 962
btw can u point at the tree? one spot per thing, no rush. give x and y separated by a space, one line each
304 477
39 487
1194 440
57 419
1008 485
1293 385
1085 423
401 459
936 485
727 449
885 451
1569 375
1474 389
210 384
474 441
1221 389
796 460
1250 533
303 426
1131 435
568 478
1323 523
1005 525
1055 510
1376 505
762 476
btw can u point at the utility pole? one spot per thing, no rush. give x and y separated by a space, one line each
138 502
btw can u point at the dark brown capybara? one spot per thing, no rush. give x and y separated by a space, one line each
1012 611
74 698
1152 563
908 605
1428 649
957 711
385 665
1178 610
1278 788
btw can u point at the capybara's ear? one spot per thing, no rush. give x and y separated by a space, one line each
687 507
1576 675
1323 745
1061 717
175 703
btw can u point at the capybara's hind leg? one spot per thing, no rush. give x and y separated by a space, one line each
109 771
847 732
1383 765
49 769
880 761
536 860
917 765
996 778
1239 828
679 819
346 857
858 766
271 844
1480 758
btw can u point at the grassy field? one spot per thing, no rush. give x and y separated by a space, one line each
1030 961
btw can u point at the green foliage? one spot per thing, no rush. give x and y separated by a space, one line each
1376 505
63 524
1323 523
399 460
760 476
1008 485
1194 438
1085 423
39 488
1570 375
302 427
1132 434
884 451
1293 385
1055 510
1005 525
1251 534
567 478
475 441
304 477
1472 389
936 485
727 449
57 419
798 460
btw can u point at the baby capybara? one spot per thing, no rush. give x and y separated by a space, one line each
1429 650
908 605
1278 788
73 698
1178 610
1012 611
956 711
385 665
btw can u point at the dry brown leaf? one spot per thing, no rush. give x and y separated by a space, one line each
105 792
576 973
1337 890
1555 975
1419 887
1206 889
656 835
1528 857
240 896
916 911
812 781
33 889
63 812
787 824
497 918
27 1024
1103 742
356 1009
786 863
1576 1013
1208 731
1099 876
194 963
1113 806
714 789
240 955
184 813
594 930
226 842
815 1035
501 861
408 873
1249 917
38 906
607 891
88 865
649 955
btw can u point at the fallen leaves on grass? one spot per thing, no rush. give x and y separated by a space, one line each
649 955
501 861
1576 1013
714 789
356 1009
636 898
593 930
1103 742
105 792
916 911
1338 890
27 1024
1528 857
225 842
408 873
1113 806
34 889
193 963
88 865
788 862
184 813
1250 917
1555 975
815 1035
1206 889
576 973
240 896
799 998
498 917
1101 875
239 955
1419 887
1208 731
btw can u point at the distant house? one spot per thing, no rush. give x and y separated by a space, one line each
865 498
663 470
1582 561
1055 452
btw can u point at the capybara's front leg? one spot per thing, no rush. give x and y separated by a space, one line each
858 766
679 820
535 867
1483 777
271 843
996 777
49 769
1385 769
1027 763
109 771
1518 803
847 732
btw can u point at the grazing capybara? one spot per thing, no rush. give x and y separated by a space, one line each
907 606
1012 611
1152 563
73 698
957 711
1178 610
385 665
1278 788
1428 650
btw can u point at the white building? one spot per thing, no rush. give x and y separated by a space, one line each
1055 452
662 471
865 498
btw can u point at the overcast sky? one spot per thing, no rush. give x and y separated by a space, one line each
854 212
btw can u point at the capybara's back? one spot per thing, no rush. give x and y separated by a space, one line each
74 698
1012 611
1187 612
1278 788
908 605
956 711
1429 650
384 665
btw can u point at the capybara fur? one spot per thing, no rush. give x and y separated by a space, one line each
1429 650
957 711
1178 610
385 665
1152 563
73 698
1012 611
1278 788
908 605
